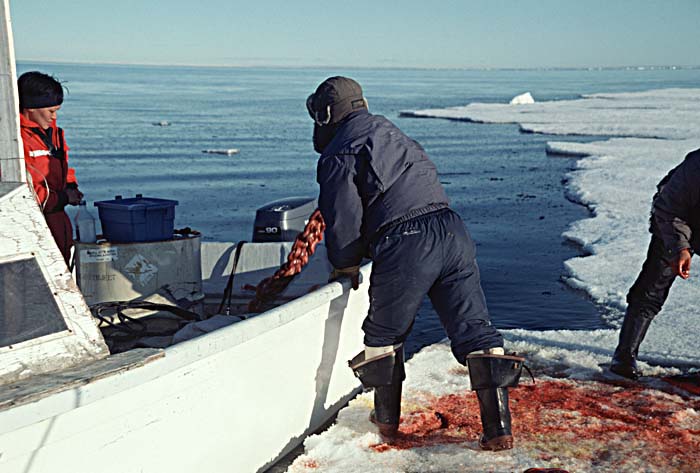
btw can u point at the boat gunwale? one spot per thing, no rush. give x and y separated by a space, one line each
160 361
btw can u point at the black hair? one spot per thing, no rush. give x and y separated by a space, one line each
39 90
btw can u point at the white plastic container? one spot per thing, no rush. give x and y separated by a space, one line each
126 271
85 224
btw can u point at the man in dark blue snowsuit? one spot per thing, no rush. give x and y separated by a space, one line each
380 198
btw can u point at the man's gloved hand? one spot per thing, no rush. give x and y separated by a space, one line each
352 272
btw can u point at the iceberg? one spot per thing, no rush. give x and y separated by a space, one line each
225 151
522 99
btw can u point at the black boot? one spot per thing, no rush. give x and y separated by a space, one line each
384 373
387 409
490 377
624 361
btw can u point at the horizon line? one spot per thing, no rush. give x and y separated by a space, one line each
310 66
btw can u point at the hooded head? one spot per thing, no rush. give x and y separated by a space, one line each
38 90
333 100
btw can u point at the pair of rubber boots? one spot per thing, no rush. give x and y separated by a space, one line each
491 375
634 329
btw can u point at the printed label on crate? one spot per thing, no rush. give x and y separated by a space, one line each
99 255
141 270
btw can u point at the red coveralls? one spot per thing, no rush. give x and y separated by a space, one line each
46 158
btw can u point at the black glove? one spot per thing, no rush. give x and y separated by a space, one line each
352 272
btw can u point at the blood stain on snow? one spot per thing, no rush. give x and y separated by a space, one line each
309 463
601 423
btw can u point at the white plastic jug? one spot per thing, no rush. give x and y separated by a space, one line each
85 224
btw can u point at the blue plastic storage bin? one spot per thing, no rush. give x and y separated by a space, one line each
137 219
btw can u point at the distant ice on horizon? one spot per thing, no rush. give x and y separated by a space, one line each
522 99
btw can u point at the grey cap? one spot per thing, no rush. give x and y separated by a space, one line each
334 99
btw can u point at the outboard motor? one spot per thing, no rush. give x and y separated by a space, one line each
284 219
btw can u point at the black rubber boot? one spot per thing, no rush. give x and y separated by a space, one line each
624 360
490 377
387 409
384 373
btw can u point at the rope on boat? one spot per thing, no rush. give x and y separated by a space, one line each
127 329
304 246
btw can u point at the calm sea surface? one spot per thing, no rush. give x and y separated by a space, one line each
508 191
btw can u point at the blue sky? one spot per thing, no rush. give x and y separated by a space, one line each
408 33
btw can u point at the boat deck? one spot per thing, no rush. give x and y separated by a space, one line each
43 385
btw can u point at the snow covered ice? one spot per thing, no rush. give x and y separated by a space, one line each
580 425
568 419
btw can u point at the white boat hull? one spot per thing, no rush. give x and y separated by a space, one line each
234 400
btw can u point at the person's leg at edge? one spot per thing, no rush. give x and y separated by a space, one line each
645 299
62 232
459 301
402 272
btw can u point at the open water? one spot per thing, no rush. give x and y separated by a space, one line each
509 192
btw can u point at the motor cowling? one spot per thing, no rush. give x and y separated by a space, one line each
283 220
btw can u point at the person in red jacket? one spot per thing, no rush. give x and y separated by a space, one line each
46 154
